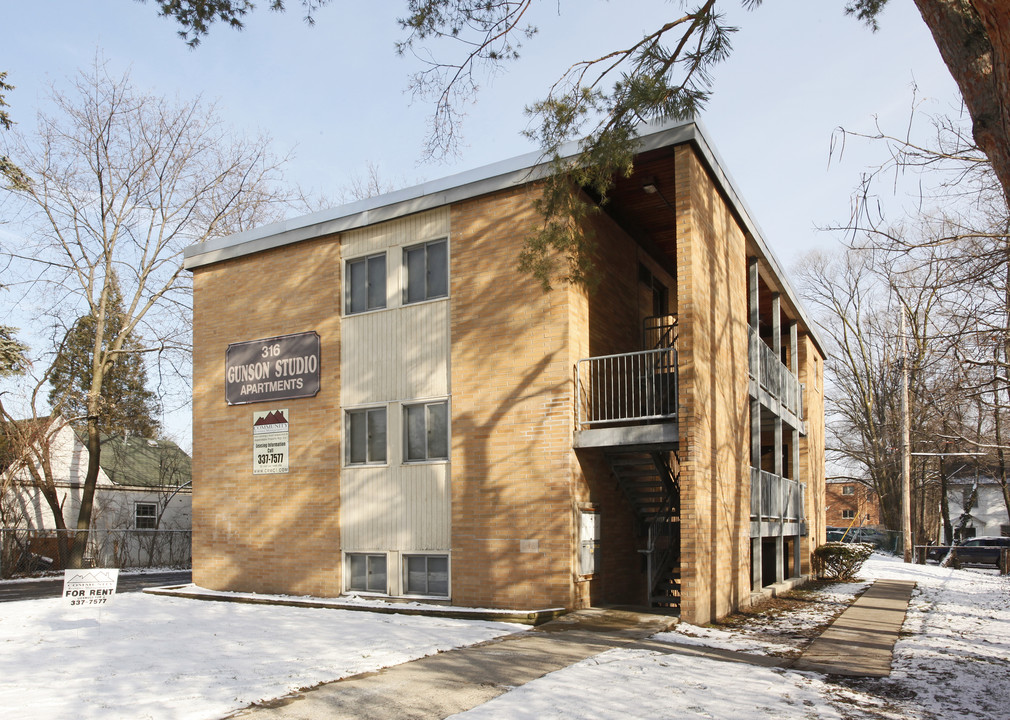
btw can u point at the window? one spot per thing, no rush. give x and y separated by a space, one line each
589 542
145 516
848 489
427 269
426 427
660 293
365 284
426 574
366 436
848 514
367 573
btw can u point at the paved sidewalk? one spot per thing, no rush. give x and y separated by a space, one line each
860 642
434 687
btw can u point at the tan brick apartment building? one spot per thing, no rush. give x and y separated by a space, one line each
851 503
462 435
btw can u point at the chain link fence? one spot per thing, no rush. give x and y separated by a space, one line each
27 552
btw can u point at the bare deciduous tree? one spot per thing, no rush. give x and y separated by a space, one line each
120 183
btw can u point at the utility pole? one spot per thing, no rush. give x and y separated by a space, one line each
906 459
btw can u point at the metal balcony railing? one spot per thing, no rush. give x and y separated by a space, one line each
628 387
775 498
773 376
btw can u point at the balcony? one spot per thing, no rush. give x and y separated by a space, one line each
627 399
775 500
773 377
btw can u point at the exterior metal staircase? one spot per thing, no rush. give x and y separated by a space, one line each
651 486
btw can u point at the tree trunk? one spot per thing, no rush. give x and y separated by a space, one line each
974 41
87 494
948 529
47 487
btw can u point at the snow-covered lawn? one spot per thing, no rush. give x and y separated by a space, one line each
146 656
160 657
952 662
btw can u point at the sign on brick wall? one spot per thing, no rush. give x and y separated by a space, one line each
277 368
270 442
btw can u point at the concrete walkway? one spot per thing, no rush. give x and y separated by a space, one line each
860 642
434 687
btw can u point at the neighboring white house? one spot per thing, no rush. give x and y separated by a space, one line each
143 485
986 509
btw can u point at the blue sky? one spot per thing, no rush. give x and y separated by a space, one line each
335 94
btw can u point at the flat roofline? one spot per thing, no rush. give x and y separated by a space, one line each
501 175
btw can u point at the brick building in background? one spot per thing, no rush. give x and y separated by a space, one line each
850 503
433 425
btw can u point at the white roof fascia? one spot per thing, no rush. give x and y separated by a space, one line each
426 196
474 183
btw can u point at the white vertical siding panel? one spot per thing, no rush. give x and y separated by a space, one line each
404 508
396 354
391 356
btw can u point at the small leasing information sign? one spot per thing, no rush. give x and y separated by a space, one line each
270 442
96 586
277 368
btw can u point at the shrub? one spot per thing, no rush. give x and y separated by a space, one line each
840 561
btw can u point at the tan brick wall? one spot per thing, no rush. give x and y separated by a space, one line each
714 421
267 533
512 415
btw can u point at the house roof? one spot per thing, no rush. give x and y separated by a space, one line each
490 178
143 462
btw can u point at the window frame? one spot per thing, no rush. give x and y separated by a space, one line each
153 517
428 458
348 288
369 556
851 514
590 541
407 557
848 489
407 274
348 440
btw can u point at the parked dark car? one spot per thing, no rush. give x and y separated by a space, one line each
984 550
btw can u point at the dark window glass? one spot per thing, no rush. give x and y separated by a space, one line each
366 284
427 431
427 271
377 282
366 436
415 274
438 269
416 445
367 572
427 575
438 431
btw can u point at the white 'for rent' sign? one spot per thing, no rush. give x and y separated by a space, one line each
93 587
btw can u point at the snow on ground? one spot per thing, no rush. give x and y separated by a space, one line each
954 654
145 656
951 662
